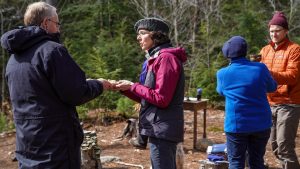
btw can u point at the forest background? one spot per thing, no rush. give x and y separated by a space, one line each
100 37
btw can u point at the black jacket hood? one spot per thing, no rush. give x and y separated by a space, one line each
22 38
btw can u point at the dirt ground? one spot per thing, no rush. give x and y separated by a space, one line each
131 157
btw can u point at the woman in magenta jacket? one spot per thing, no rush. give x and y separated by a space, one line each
161 97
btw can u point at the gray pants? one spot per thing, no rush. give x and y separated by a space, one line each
285 120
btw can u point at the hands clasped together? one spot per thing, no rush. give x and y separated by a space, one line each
121 85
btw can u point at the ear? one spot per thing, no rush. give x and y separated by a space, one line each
44 24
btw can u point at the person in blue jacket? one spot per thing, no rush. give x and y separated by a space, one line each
248 118
45 85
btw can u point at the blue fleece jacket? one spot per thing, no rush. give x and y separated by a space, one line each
244 85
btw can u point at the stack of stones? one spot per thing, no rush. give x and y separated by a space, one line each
90 151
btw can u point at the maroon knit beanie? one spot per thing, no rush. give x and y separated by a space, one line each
279 19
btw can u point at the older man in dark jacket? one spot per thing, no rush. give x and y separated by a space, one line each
45 85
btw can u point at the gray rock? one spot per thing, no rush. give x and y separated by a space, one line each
106 159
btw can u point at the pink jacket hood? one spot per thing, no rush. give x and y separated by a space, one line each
178 51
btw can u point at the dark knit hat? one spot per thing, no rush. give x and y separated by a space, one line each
152 24
279 19
235 47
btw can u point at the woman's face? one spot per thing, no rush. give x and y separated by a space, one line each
144 39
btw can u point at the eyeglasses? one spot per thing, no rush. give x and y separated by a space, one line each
276 31
143 33
57 23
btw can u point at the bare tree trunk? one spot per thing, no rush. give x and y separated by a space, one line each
272 3
175 25
154 8
195 27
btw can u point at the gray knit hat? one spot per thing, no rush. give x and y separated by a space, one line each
152 24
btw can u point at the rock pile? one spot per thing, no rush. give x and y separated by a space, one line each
90 151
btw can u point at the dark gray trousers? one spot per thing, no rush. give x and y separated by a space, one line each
285 120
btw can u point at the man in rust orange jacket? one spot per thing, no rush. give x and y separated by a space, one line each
282 58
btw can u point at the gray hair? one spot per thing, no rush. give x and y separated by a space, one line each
37 12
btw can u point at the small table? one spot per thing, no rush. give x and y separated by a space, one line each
193 104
